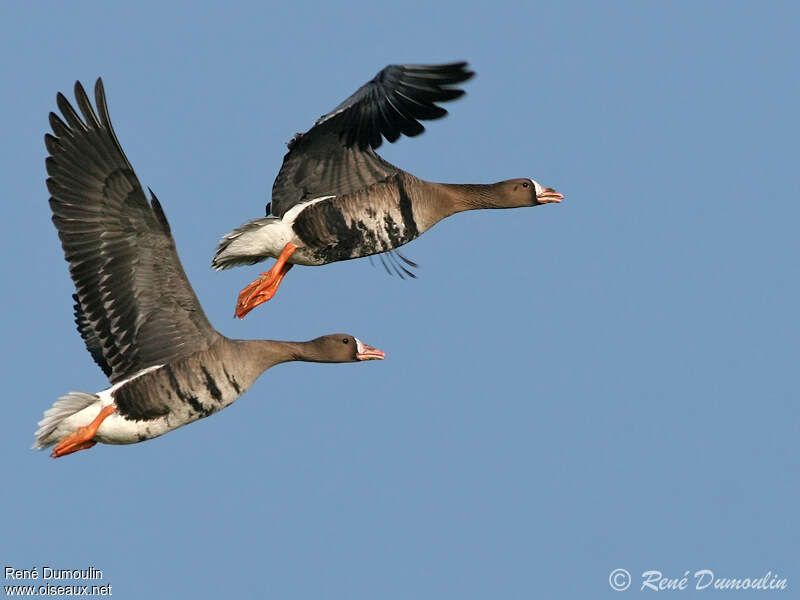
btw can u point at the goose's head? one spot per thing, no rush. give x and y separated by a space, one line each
343 347
528 192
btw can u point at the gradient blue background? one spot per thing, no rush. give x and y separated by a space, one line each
605 383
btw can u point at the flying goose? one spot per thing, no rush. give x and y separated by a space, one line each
336 199
134 306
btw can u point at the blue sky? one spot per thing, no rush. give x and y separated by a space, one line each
605 383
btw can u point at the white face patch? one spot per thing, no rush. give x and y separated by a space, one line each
359 346
537 186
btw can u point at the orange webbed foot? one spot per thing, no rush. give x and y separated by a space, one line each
82 437
264 288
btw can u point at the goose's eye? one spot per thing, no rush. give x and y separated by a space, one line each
345 341
525 184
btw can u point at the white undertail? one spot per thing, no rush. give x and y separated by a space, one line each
260 239
64 407
77 409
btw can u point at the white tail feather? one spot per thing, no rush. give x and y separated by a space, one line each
64 407
249 244
261 238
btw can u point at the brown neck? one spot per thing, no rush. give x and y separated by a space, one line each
457 197
246 360
272 352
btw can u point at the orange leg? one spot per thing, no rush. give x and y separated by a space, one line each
264 288
81 438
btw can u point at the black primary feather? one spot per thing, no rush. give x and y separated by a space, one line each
90 337
337 155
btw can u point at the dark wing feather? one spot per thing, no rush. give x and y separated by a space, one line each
394 258
135 307
89 336
337 156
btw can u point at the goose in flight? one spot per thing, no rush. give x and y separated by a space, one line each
336 199
134 306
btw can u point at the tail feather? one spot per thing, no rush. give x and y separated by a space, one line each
245 245
64 407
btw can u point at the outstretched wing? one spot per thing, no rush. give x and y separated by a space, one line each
337 155
135 305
